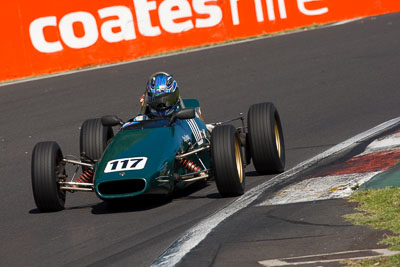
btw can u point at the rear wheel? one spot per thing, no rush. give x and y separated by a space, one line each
227 161
94 138
265 138
47 168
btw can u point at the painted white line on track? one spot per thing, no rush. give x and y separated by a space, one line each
344 22
111 65
335 257
191 238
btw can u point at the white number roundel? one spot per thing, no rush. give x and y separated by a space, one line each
126 164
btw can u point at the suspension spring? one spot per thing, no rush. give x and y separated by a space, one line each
86 176
189 165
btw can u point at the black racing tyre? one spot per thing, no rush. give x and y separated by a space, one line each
47 168
265 136
227 161
247 152
94 138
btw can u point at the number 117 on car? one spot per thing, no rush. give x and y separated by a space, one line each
127 164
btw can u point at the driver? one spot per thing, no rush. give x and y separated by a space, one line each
162 95
161 98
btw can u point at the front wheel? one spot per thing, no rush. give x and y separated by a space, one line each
265 138
227 161
47 168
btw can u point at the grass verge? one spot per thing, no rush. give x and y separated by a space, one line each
379 209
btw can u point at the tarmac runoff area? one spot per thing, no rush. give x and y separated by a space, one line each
377 166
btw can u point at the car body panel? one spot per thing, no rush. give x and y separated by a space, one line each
152 146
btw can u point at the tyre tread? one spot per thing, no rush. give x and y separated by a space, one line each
262 143
43 175
94 137
224 161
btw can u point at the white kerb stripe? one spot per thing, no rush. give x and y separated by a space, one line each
191 238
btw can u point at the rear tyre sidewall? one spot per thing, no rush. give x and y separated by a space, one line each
265 136
227 161
94 137
46 165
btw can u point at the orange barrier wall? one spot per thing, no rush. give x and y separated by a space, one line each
45 36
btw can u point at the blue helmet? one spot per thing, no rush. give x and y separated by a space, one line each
162 94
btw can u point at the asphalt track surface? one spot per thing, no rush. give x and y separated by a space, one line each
329 84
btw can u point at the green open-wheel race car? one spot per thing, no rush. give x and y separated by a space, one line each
158 156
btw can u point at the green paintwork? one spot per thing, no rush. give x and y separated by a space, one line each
191 103
159 143
388 178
